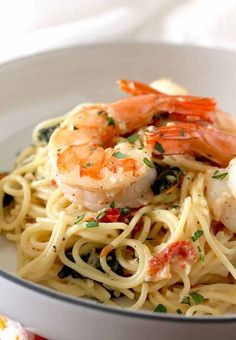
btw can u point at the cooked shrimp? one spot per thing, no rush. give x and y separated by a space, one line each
180 107
180 254
91 168
221 194
193 139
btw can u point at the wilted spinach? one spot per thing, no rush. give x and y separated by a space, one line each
44 134
67 271
7 200
166 178
93 260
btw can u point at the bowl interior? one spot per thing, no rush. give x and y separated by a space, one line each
49 84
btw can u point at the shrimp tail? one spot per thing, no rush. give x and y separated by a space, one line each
189 138
132 113
180 108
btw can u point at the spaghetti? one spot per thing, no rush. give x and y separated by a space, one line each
168 255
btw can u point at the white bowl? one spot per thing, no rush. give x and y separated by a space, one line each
49 84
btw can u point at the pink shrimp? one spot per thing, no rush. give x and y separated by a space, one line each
180 108
178 254
193 139
90 167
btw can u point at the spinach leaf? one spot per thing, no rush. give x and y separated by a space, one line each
67 271
45 133
166 178
7 200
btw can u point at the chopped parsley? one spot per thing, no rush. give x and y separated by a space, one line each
88 165
183 132
125 211
92 224
160 308
186 300
119 155
218 175
201 256
99 113
196 235
148 162
197 298
179 311
112 204
159 148
132 139
79 219
101 214
110 121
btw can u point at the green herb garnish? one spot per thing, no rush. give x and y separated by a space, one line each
101 214
201 256
110 121
79 219
182 132
160 308
132 139
119 155
179 311
148 162
124 211
197 298
218 175
92 224
99 113
196 235
186 300
112 204
159 148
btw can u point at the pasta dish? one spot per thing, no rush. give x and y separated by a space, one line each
131 203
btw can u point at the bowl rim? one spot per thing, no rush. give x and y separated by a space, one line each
88 303
124 312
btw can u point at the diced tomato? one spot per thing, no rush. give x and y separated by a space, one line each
116 215
112 215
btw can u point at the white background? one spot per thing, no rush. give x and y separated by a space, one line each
28 26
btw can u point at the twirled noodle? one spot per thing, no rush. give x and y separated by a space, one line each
51 242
